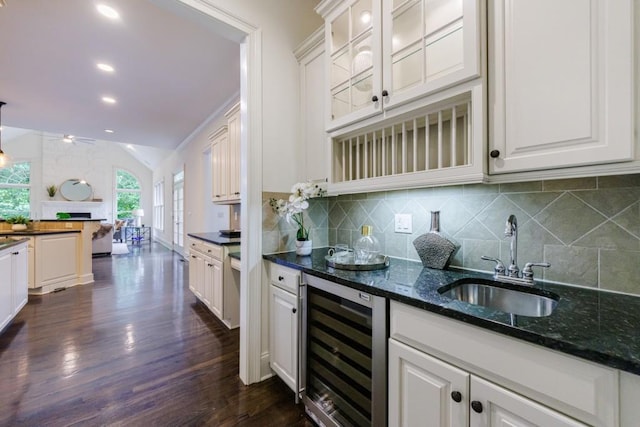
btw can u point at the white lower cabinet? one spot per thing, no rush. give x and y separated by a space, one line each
492 405
213 282
283 323
284 315
20 277
214 286
196 274
501 381
6 289
422 389
56 261
13 283
425 391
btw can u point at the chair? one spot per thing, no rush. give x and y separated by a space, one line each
118 233
102 240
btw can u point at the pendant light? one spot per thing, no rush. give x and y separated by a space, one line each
4 159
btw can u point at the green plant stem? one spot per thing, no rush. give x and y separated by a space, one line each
303 233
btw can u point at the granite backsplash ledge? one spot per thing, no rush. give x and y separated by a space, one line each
587 228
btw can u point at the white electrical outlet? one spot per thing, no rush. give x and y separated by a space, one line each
403 223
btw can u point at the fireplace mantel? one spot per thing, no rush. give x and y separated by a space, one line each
51 207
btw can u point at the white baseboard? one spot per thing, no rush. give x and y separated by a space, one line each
85 279
164 243
265 369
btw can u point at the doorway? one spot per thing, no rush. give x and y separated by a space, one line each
178 212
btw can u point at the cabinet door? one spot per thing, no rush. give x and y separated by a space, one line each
6 292
20 278
560 90
217 288
354 67
219 173
312 96
428 45
283 336
207 282
53 262
32 265
424 391
495 406
233 167
196 274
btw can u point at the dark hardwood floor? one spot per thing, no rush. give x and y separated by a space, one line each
133 349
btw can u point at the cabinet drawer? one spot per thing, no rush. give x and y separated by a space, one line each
581 389
213 251
285 278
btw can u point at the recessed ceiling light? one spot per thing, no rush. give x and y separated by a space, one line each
109 130
108 100
130 147
108 11
105 67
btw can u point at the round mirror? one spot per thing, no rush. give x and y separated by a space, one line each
75 190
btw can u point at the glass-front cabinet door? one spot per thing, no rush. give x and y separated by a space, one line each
428 45
353 44
385 53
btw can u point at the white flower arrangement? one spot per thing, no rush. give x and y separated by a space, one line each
293 210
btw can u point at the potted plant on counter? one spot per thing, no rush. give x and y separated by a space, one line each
18 222
293 211
51 191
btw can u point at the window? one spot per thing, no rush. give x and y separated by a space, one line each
15 190
158 205
127 194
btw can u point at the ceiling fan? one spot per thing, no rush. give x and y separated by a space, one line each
72 139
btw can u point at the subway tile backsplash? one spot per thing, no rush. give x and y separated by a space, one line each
587 228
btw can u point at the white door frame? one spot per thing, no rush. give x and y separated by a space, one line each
250 186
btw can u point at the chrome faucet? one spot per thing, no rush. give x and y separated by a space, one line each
511 230
512 273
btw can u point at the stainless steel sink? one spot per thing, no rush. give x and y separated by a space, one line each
487 293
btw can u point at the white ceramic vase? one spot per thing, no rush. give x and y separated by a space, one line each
303 247
18 227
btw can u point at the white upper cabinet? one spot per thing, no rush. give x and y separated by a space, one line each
428 45
225 159
233 153
381 54
560 83
310 55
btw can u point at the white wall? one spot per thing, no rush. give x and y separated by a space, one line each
54 161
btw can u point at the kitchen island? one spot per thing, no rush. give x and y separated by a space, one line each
83 227
55 258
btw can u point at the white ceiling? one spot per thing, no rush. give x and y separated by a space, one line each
171 72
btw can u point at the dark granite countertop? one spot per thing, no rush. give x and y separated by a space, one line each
35 232
6 242
595 325
215 238
235 255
